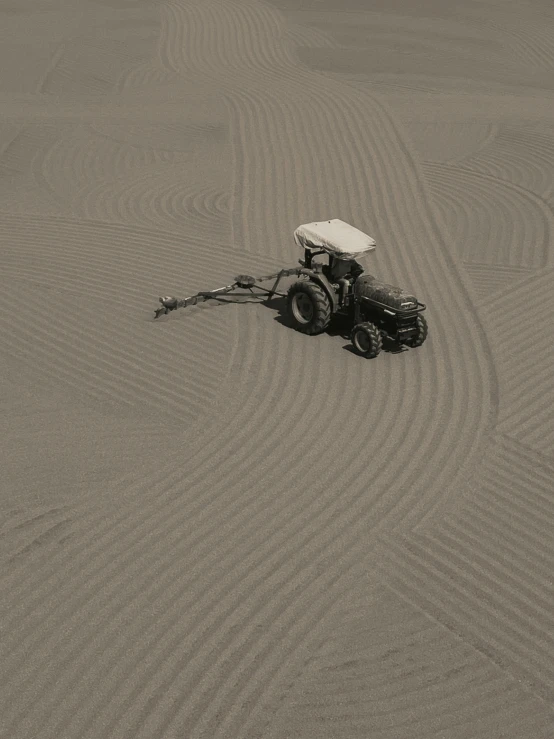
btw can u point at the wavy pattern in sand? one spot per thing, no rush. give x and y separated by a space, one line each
100 178
494 222
24 531
401 675
22 185
74 170
299 36
82 157
523 156
216 583
450 142
91 60
484 572
145 76
8 133
370 168
490 280
225 580
527 384
170 198
254 523
74 293
531 42
201 133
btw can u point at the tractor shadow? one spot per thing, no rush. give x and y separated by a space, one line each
339 326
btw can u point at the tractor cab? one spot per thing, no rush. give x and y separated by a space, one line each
340 240
377 310
342 243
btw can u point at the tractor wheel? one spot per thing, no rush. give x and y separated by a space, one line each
367 340
309 307
419 338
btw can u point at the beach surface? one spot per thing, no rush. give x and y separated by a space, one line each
213 526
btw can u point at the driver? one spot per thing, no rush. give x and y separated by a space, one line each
344 272
341 268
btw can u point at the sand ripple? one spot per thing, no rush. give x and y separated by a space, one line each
313 510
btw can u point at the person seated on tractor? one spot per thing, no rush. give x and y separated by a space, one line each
343 272
339 268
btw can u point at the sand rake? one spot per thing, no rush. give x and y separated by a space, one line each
242 282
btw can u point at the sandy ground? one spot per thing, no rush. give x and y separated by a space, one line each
211 525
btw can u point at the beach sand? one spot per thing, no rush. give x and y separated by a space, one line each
212 526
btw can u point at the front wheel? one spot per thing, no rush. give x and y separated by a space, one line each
367 340
422 331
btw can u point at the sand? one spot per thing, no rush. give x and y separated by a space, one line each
213 526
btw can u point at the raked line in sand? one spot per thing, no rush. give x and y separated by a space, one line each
192 602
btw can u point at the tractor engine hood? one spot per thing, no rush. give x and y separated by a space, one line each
367 286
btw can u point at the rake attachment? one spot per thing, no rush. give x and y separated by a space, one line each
242 282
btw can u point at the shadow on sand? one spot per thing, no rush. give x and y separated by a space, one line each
339 326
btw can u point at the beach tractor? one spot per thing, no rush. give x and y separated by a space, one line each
339 287
377 311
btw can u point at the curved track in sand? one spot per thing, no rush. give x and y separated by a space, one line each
201 589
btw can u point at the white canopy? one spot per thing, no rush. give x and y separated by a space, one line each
336 237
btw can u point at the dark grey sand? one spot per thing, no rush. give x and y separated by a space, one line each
212 526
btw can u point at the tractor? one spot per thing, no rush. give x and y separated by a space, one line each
338 288
375 309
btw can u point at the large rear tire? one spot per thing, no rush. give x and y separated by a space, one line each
367 340
308 307
422 331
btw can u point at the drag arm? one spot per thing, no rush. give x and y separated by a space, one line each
242 281
169 303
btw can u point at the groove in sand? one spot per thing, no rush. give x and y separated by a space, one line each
214 582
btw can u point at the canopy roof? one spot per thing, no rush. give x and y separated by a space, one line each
335 237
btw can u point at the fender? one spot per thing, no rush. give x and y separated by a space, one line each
324 283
